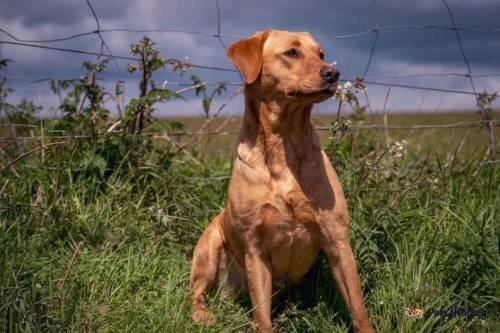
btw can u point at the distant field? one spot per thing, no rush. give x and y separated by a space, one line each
439 140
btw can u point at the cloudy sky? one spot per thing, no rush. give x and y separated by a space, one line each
398 56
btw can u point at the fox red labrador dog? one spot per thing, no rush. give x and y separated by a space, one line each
285 201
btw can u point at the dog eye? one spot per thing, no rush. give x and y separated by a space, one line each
292 53
321 55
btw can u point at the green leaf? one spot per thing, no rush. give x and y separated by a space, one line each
207 102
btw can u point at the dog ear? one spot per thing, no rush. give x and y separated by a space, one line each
246 55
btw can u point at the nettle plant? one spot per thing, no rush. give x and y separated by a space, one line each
86 111
139 110
85 106
21 113
207 97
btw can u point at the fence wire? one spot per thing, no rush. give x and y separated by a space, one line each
376 30
219 35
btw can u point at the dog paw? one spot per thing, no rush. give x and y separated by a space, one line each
204 316
363 327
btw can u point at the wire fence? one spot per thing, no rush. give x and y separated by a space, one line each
376 30
106 52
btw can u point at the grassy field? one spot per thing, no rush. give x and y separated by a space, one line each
96 235
435 140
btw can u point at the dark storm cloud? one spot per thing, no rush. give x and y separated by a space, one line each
436 46
59 12
419 46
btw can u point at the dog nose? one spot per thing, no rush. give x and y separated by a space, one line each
329 74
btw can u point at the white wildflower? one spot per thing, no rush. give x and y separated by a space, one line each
398 148
347 85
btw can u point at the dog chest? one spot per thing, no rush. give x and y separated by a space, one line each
290 235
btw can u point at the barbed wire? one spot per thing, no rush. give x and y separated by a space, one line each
484 113
380 77
370 58
100 54
460 46
219 24
218 35
235 36
415 75
376 30
375 83
408 86
103 42
159 135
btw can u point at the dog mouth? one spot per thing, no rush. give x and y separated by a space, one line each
330 90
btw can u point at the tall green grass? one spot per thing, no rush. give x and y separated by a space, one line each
425 231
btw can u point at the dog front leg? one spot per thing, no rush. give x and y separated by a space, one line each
207 257
260 288
343 267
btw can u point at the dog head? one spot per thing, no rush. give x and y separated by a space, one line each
285 65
